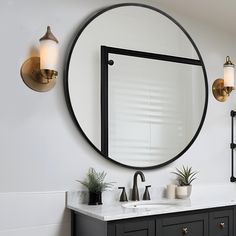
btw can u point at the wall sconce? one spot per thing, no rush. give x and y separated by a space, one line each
39 73
222 88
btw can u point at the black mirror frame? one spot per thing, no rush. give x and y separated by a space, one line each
67 95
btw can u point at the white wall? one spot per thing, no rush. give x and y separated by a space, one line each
41 150
25 214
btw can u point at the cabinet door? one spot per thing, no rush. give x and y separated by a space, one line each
190 225
221 223
136 228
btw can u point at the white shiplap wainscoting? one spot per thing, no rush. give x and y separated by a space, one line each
34 214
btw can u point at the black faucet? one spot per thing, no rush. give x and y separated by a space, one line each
135 194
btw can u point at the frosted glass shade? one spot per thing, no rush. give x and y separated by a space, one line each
48 54
229 76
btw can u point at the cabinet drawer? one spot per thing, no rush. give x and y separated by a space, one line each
190 225
221 223
136 228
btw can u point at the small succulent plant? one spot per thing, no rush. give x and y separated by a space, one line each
185 175
94 181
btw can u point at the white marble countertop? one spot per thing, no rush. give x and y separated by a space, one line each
115 211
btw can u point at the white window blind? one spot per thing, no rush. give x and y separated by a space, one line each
149 110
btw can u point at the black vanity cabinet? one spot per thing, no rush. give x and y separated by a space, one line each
139 227
222 222
183 224
208 222
87 226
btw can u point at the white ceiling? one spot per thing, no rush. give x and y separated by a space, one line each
220 13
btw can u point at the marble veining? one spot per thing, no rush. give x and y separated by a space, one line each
204 197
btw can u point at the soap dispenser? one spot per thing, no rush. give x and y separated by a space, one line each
123 196
146 195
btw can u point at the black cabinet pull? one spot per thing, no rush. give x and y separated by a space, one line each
222 225
184 230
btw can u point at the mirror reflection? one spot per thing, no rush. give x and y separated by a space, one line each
155 108
151 111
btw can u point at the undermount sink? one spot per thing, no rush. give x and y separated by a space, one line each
149 204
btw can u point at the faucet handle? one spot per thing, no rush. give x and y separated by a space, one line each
146 195
123 196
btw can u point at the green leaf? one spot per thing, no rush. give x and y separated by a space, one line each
185 175
94 181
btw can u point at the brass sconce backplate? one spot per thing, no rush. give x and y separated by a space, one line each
218 90
32 77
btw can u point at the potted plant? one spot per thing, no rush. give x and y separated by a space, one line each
95 184
185 177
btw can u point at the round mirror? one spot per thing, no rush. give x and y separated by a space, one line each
136 86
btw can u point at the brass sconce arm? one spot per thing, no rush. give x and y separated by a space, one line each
39 73
220 92
222 88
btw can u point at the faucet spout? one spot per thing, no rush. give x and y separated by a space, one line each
135 193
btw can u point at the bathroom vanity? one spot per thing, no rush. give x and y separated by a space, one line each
181 217
216 221
131 63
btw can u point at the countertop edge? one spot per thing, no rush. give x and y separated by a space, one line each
91 212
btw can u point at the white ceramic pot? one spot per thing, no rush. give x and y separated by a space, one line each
183 192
